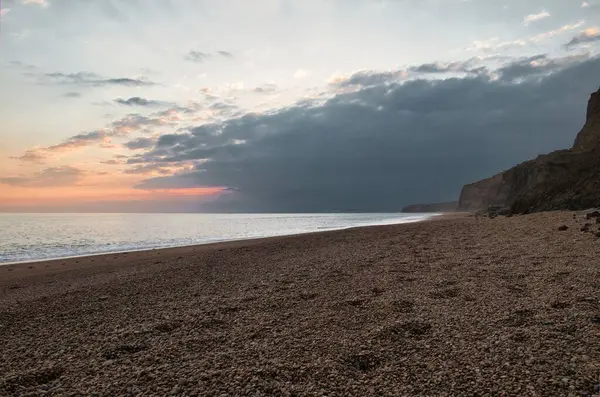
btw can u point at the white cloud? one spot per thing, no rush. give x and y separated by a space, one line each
301 73
42 3
555 32
535 17
585 4
494 43
4 11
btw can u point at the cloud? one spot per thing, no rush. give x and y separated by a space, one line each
470 66
267 88
556 32
137 101
199 56
119 128
22 65
588 36
390 143
535 17
49 177
147 169
41 3
79 140
225 54
139 143
4 12
94 80
35 155
135 122
301 73
494 44
537 65
111 162
40 154
72 94
368 78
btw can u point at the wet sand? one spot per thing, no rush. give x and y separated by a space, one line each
458 306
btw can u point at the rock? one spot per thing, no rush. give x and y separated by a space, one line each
496 210
103 298
594 214
563 228
597 234
586 227
562 180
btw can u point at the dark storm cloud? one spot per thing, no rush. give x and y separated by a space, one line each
55 176
139 143
537 65
381 147
143 102
587 37
94 80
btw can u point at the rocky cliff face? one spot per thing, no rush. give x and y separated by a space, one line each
565 179
589 137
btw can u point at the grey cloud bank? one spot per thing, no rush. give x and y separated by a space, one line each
387 144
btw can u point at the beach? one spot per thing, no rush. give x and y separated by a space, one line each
454 306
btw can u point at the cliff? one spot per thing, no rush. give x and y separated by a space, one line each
434 207
565 179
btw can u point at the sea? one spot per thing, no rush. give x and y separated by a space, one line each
35 237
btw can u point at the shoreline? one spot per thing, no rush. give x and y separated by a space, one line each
455 306
97 254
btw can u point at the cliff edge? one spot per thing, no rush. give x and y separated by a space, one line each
562 180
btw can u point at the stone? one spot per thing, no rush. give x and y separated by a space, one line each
563 228
594 214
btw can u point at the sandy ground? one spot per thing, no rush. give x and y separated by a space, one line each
452 307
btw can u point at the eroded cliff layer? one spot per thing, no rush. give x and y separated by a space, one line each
565 179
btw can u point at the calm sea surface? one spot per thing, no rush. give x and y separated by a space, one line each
30 237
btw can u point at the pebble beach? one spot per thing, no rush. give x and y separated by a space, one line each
461 305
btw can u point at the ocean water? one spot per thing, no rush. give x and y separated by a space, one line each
31 237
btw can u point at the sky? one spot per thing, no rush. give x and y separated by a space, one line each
282 105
